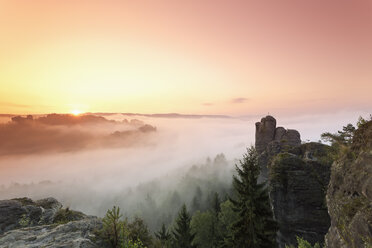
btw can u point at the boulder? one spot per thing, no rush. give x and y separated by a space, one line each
74 234
25 223
24 212
291 138
279 133
10 213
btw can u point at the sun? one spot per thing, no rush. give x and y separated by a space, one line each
76 112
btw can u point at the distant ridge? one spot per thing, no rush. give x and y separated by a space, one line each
7 115
176 115
165 115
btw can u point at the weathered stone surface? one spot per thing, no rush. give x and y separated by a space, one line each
291 138
279 133
22 212
271 140
48 203
265 132
297 191
10 214
43 223
75 234
297 176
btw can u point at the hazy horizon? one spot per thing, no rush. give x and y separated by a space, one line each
150 105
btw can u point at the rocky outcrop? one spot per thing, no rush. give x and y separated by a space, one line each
43 223
297 177
349 195
74 234
23 212
267 132
298 181
271 140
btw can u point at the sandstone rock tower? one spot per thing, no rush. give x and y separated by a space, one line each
296 176
271 140
267 132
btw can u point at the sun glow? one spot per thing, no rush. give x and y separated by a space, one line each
76 112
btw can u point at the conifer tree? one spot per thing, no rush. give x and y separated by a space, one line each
216 209
163 235
216 203
138 230
255 227
183 237
112 225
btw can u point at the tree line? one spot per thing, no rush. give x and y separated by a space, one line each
243 219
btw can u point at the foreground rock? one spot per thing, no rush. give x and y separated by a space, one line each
43 223
297 177
349 196
22 212
73 234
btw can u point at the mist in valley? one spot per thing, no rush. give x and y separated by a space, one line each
149 166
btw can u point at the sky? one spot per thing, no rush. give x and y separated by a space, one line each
236 58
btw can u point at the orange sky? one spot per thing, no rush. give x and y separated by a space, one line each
214 57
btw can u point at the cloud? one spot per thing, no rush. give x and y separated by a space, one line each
108 170
9 106
14 105
239 100
207 104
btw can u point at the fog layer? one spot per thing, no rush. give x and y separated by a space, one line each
96 177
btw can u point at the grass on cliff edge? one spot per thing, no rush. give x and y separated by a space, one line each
66 215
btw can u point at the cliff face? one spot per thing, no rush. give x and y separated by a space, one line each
297 176
298 181
349 195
